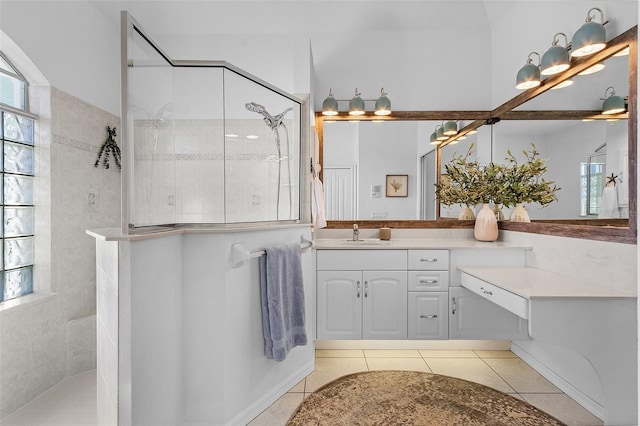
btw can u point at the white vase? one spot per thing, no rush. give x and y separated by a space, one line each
466 214
486 227
519 214
497 210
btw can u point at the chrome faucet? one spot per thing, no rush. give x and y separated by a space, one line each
356 232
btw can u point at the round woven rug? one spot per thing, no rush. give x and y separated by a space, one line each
413 398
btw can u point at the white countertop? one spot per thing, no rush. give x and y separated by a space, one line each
409 243
532 283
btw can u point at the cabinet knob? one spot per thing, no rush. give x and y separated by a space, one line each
429 259
428 316
428 281
366 288
358 289
486 291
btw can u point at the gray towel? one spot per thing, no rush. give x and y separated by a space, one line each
282 291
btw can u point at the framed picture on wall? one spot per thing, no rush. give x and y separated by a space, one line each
397 185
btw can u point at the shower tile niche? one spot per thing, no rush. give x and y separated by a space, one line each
207 143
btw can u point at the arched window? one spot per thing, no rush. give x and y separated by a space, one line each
16 180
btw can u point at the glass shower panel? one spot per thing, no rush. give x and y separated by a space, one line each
199 144
262 152
152 196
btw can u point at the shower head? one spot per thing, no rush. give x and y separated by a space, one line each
271 121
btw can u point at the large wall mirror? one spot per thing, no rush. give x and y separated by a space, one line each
582 147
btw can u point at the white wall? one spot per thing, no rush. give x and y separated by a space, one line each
191 337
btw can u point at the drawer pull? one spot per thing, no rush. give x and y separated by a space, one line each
429 259
428 281
486 291
453 306
428 316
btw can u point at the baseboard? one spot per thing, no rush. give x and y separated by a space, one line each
486 345
258 406
589 404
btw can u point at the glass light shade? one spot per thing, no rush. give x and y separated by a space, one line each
528 77
330 105
440 134
450 128
593 69
589 39
433 140
461 138
356 105
613 105
554 60
472 132
383 104
565 83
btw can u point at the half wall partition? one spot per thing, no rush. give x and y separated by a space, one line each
204 141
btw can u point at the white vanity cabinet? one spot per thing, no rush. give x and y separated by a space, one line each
427 299
361 294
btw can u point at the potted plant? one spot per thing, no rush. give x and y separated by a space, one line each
459 184
523 183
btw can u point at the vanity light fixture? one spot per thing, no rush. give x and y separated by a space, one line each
556 59
472 132
433 140
356 104
565 83
440 133
450 128
383 104
593 69
590 37
613 104
330 105
529 74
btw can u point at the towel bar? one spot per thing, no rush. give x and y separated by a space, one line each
239 254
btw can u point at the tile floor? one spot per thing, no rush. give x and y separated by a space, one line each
72 402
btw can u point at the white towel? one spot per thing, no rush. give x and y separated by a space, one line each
318 216
609 203
282 294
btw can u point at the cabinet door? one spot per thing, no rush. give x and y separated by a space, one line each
384 305
473 317
428 318
339 309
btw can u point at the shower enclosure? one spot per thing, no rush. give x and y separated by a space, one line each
207 143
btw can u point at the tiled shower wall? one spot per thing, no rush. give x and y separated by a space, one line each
186 171
45 342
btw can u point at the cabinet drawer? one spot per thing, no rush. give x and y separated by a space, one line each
427 315
428 280
351 260
509 301
429 259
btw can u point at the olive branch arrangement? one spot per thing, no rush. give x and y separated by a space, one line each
110 145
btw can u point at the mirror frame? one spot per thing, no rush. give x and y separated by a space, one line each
593 229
